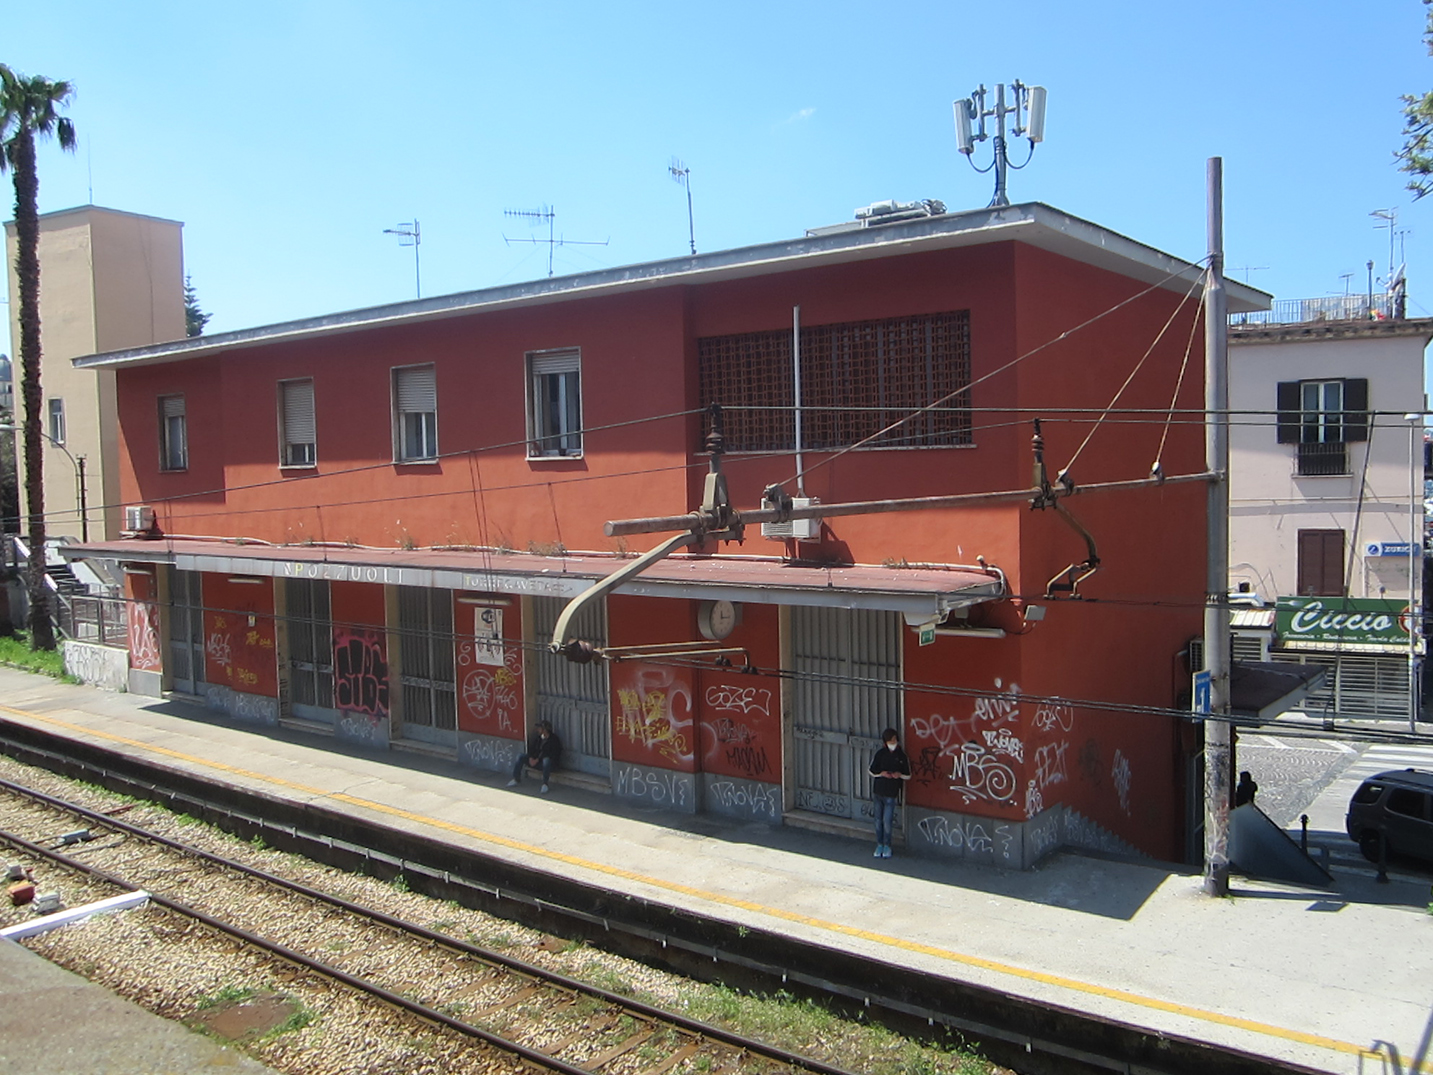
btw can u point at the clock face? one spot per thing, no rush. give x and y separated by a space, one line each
717 619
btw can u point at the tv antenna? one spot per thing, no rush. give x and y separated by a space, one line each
535 217
1247 269
409 234
683 175
1028 108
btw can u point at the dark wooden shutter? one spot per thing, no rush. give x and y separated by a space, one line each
1355 409
1288 405
1321 563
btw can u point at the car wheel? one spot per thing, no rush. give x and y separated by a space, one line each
1368 844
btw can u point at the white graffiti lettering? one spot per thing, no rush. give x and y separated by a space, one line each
1003 741
1050 764
1034 801
1052 715
1121 775
725 698
144 635
956 835
498 753
977 775
219 649
660 787
359 727
763 800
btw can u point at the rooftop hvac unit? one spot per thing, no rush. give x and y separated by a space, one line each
138 519
797 529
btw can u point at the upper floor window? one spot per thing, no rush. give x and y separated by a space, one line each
554 392
298 438
415 414
173 434
857 378
1322 418
57 421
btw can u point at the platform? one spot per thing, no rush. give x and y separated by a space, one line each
1336 981
56 1022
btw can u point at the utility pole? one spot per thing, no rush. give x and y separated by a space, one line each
1216 607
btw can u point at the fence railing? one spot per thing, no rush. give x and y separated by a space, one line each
99 619
1327 308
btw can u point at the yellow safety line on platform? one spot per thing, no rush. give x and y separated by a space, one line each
884 940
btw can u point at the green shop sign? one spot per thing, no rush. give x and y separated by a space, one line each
1358 620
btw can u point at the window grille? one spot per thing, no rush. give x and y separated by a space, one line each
856 378
415 400
296 414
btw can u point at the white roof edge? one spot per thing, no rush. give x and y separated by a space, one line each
1033 223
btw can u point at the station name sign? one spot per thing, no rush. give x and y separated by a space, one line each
1342 619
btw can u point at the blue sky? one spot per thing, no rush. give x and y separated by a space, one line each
288 135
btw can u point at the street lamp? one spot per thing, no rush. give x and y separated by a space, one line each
79 465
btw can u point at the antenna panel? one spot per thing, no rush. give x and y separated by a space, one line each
1035 129
963 137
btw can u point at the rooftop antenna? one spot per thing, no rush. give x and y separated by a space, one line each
409 234
537 216
1247 269
683 175
1347 278
1027 106
1389 217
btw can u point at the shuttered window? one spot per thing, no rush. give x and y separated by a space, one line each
1321 563
1321 417
298 435
173 434
415 418
554 403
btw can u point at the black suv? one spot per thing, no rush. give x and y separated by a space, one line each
1400 804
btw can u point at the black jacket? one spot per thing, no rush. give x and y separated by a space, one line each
539 748
889 761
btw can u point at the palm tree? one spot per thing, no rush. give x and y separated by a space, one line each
27 110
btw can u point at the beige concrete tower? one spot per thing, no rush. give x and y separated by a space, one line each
108 280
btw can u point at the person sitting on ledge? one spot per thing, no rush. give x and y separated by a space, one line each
542 751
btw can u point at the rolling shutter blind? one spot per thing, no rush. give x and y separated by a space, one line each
298 412
556 362
417 389
172 406
1288 405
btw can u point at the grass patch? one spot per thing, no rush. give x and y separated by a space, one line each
230 994
400 883
16 653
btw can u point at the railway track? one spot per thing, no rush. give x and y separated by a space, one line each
438 983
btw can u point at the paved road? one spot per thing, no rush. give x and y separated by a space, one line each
1318 777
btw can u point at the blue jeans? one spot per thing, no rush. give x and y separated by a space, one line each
885 818
544 763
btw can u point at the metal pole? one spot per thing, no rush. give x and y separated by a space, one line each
691 225
417 269
1415 550
84 506
1216 613
1001 160
796 384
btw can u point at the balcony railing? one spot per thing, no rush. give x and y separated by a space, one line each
1328 308
1322 459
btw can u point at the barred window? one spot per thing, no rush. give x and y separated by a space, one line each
856 379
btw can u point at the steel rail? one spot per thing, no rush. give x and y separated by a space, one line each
486 955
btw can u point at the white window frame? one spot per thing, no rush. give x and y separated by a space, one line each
298 427
410 394
56 417
554 403
173 433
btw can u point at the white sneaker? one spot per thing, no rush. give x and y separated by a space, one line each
544 789
879 849
512 783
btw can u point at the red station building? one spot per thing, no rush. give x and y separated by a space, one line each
367 525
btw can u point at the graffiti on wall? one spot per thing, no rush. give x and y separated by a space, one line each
144 636
360 672
243 650
491 688
736 725
973 752
659 786
648 708
1121 775
744 798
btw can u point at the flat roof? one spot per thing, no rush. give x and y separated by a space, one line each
1032 223
921 594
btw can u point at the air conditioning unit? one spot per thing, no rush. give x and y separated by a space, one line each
794 529
139 519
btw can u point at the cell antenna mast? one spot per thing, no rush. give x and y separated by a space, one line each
409 234
683 175
1027 105
536 217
